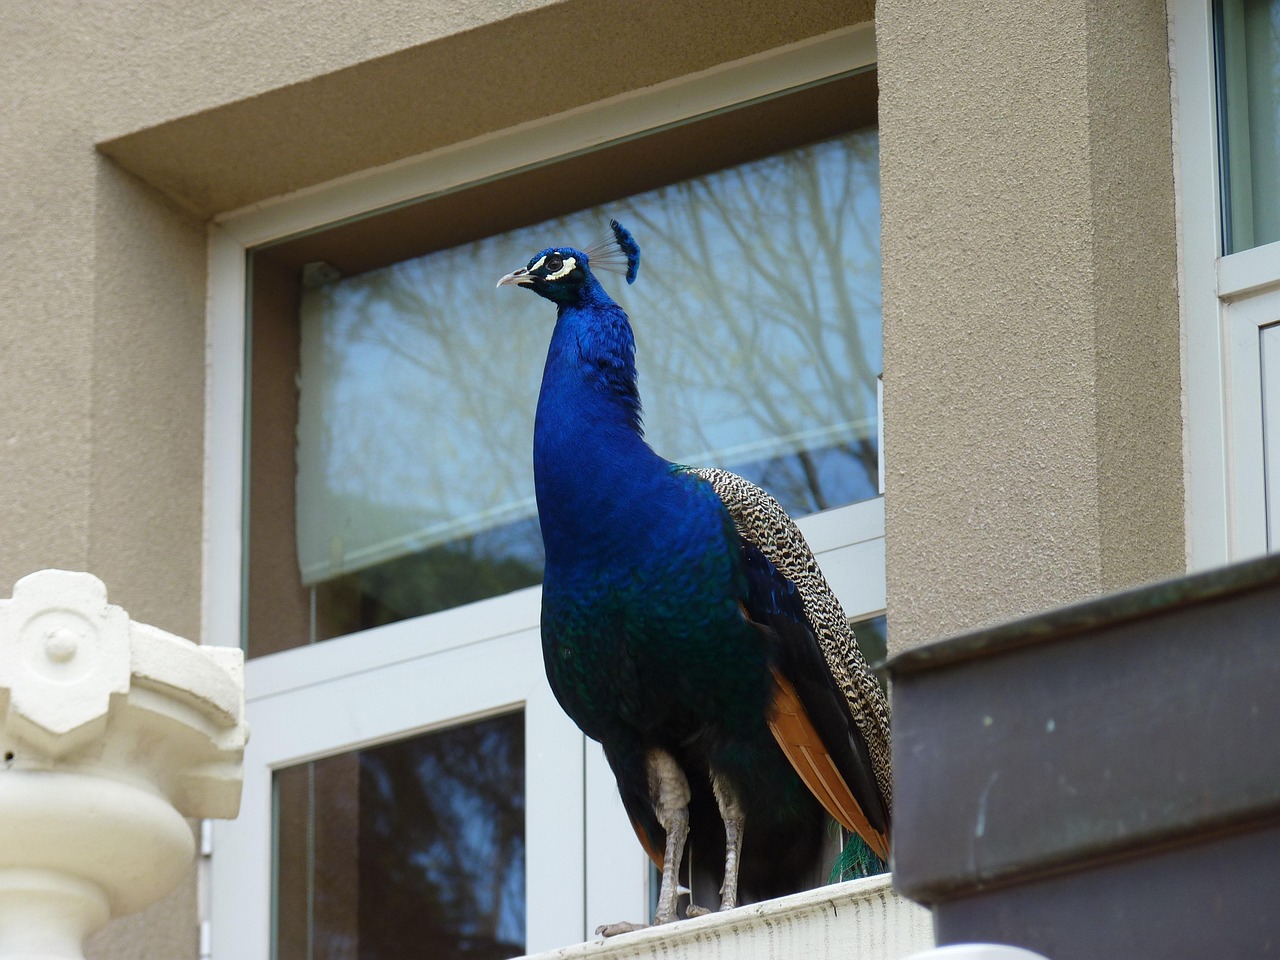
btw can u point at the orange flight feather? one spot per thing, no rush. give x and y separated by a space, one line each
654 854
799 740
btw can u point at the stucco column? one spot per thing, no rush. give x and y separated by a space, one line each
1032 380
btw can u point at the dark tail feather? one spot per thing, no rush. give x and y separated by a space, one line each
855 861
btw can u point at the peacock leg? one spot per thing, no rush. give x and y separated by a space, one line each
670 792
677 826
734 821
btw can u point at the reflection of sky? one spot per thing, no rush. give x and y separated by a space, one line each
1266 91
757 320
1252 86
468 853
489 853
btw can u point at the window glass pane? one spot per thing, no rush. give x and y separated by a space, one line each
411 849
872 636
1269 357
757 318
1249 111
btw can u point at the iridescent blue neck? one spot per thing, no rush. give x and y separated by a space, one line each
590 458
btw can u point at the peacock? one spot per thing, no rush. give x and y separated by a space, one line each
687 628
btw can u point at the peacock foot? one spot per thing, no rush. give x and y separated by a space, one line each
623 926
696 911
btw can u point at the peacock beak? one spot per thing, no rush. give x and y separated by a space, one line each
519 277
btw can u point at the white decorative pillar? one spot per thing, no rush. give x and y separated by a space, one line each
111 734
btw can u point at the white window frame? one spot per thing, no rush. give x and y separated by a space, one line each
1253 423
1225 300
383 684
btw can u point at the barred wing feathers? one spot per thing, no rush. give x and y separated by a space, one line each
762 522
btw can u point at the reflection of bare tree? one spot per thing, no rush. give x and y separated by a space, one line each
777 265
432 419
442 844
757 318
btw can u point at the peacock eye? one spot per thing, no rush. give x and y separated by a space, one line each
554 263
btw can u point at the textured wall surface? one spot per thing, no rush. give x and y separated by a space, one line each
1032 386
344 95
46 293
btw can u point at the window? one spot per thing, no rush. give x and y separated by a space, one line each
417 841
412 406
390 601
1248 33
1226 58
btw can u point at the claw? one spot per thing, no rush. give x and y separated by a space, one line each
613 929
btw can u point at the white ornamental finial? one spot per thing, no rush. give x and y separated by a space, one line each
64 652
112 733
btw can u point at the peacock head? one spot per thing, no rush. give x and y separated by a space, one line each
561 273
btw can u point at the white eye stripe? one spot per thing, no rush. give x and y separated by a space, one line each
534 266
569 264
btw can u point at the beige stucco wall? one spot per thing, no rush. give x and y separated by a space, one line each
333 89
1031 342
1032 387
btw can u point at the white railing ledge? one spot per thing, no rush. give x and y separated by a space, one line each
857 920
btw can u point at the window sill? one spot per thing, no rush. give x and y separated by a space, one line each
862 918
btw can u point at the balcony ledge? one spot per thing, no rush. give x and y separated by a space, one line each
860 918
